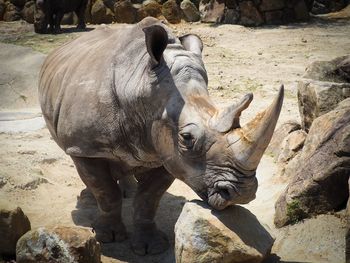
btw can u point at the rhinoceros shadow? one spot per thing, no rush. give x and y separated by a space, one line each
67 30
168 212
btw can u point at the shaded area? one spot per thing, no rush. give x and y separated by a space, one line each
168 212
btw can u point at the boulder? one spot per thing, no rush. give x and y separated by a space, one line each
149 8
13 224
58 244
190 10
12 12
125 12
100 14
324 86
291 145
2 9
274 17
109 4
171 12
212 11
250 15
301 11
231 235
268 5
28 12
320 172
327 6
279 135
19 3
231 16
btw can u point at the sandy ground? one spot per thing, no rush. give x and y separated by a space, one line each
36 175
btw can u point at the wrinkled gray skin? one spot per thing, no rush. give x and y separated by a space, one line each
134 101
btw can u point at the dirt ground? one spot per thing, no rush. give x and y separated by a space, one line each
36 175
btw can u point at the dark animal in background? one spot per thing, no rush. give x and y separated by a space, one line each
50 13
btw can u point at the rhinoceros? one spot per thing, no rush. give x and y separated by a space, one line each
50 12
134 101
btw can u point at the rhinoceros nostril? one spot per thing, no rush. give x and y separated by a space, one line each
226 190
225 194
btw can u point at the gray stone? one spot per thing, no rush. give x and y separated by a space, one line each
190 10
149 8
13 224
212 11
250 15
58 244
100 13
320 172
12 12
291 145
28 12
231 16
231 235
279 135
171 11
268 5
316 98
125 12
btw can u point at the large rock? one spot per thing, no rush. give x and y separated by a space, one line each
268 5
320 172
291 145
12 12
324 86
19 3
327 6
100 13
28 12
190 10
149 8
279 135
125 12
58 244
171 11
212 11
250 15
13 224
231 235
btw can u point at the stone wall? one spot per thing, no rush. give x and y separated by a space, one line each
243 12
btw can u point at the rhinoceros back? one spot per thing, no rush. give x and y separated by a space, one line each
78 86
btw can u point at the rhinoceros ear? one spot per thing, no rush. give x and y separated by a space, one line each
156 42
192 43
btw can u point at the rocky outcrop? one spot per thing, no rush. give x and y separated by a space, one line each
291 145
190 11
321 171
27 12
212 11
253 13
13 224
58 244
279 135
100 13
325 84
231 235
125 12
327 6
149 8
171 11
12 12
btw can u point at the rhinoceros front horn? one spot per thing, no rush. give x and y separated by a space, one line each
249 142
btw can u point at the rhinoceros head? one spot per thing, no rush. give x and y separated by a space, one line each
199 143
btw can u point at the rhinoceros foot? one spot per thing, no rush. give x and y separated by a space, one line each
107 230
147 239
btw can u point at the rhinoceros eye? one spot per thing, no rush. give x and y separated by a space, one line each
187 140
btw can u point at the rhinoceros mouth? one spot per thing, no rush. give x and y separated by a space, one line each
222 194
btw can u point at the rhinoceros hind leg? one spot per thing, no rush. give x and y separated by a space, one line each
147 239
128 186
96 175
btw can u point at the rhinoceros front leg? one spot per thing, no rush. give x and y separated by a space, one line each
96 174
147 239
